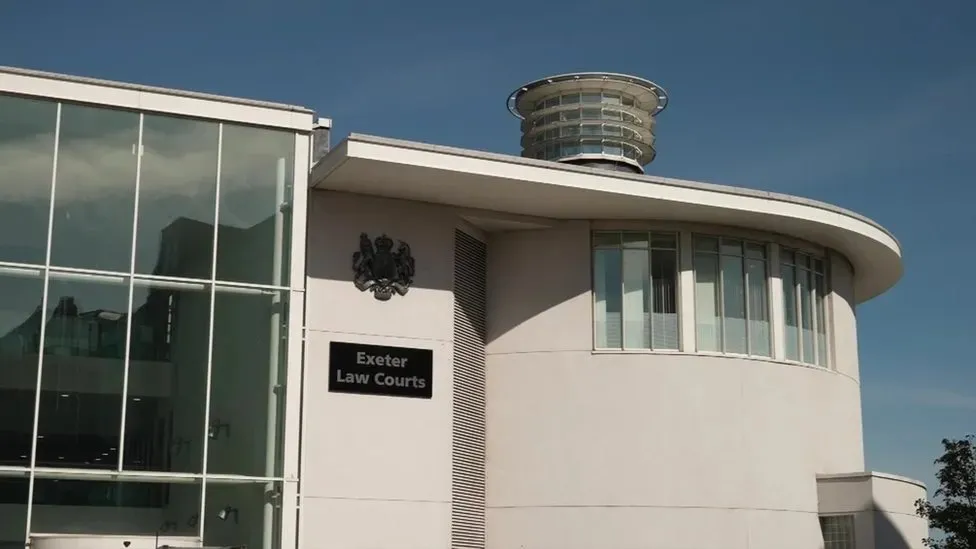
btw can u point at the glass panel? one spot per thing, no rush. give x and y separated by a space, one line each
606 239
636 280
95 192
611 99
664 298
706 244
803 260
821 320
607 305
759 336
245 414
590 129
613 148
164 423
571 98
256 175
235 516
757 251
668 241
14 496
790 314
571 115
787 257
707 320
592 147
20 324
806 317
84 344
635 239
177 194
591 114
731 247
734 302
592 97
113 507
27 160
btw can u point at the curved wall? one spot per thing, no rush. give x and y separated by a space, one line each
624 449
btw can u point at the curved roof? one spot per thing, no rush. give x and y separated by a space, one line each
647 92
543 192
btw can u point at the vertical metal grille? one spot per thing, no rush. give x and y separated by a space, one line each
468 430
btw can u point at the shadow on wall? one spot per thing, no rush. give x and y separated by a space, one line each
532 272
888 534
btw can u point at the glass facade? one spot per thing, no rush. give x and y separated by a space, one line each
144 277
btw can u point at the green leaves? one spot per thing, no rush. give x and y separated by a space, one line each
955 511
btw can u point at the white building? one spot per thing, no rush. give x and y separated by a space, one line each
522 353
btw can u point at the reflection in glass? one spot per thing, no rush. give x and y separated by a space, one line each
256 169
177 505
806 316
247 364
26 163
177 197
759 337
608 298
20 336
84 344
790 313
734 303
164 421
235 515
821 312
636 288
14 497
95 188
664 296
707 308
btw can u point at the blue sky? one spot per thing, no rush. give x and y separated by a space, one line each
866 104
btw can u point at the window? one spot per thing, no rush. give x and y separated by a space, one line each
731 296
838 531
804 310
635 277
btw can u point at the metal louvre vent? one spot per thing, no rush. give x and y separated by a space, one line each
468 424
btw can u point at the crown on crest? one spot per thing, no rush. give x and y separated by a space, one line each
384 243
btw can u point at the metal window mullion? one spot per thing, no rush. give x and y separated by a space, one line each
745 295
623 331
43 331
812 281
798 299
649 298
128 322
210 334
721 297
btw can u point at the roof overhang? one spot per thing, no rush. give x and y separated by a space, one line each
517 186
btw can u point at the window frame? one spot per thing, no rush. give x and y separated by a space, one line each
849 520
819 312
720 280
649 299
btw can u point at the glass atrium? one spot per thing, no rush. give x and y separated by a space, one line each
145 282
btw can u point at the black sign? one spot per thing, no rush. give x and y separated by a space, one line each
380 370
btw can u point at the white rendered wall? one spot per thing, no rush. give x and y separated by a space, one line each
377 470
622 450
882 506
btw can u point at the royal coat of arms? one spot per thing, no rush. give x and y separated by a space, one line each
382 270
